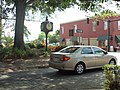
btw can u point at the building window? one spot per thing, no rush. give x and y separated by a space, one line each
62 30
71 32
94 25
105 25
118 25
75 28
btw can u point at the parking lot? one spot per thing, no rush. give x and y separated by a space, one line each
51 79
38 78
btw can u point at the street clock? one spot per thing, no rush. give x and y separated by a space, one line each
49 26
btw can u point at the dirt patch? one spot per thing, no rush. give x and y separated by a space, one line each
10 65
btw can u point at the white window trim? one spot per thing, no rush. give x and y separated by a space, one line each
119 25
75 28
94 26
105 25
62 30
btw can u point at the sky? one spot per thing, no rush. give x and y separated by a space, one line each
70 14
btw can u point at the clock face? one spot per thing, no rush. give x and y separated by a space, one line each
49 26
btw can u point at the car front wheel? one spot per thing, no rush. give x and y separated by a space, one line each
112 62
80 68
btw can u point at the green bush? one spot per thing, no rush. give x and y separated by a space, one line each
38 46
22 53
30 45
5 52
112 75
9 53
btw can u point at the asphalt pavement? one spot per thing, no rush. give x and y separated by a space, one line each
51 79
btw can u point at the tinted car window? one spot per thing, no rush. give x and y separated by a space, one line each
87 50
97 51
70 50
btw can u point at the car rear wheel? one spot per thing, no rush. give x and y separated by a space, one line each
112 62
80 68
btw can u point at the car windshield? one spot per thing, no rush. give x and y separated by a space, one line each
69 50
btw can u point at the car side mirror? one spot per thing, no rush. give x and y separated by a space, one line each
105 52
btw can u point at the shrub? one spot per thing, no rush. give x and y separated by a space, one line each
38 46
30 45
5 52
22 53
112 74
9 53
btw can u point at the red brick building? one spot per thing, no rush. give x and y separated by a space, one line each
91 32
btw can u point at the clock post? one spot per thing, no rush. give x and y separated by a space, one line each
46 27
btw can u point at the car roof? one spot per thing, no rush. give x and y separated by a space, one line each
81 46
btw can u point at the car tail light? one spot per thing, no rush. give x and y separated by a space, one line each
65 58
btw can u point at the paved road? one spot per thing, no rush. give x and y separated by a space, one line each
51 79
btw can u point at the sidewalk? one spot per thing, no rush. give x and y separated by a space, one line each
10 65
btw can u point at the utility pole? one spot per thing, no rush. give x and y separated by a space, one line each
108 35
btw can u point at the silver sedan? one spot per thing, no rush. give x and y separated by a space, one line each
79 58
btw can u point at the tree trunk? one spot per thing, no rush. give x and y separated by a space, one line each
19 26
0 19
0 29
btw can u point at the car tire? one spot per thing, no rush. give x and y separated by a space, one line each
79 68
112 62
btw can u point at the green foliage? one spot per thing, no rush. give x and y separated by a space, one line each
8 41
91 5
105 14
39 46
5 53
57 32
30 45
0 28
41 37
54 38
22 53
45 54
112 75
26 32
9 53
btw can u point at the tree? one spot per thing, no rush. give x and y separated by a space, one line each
105 14
55 37
21 6
0 29
0 20
41 37
46 7
57 32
